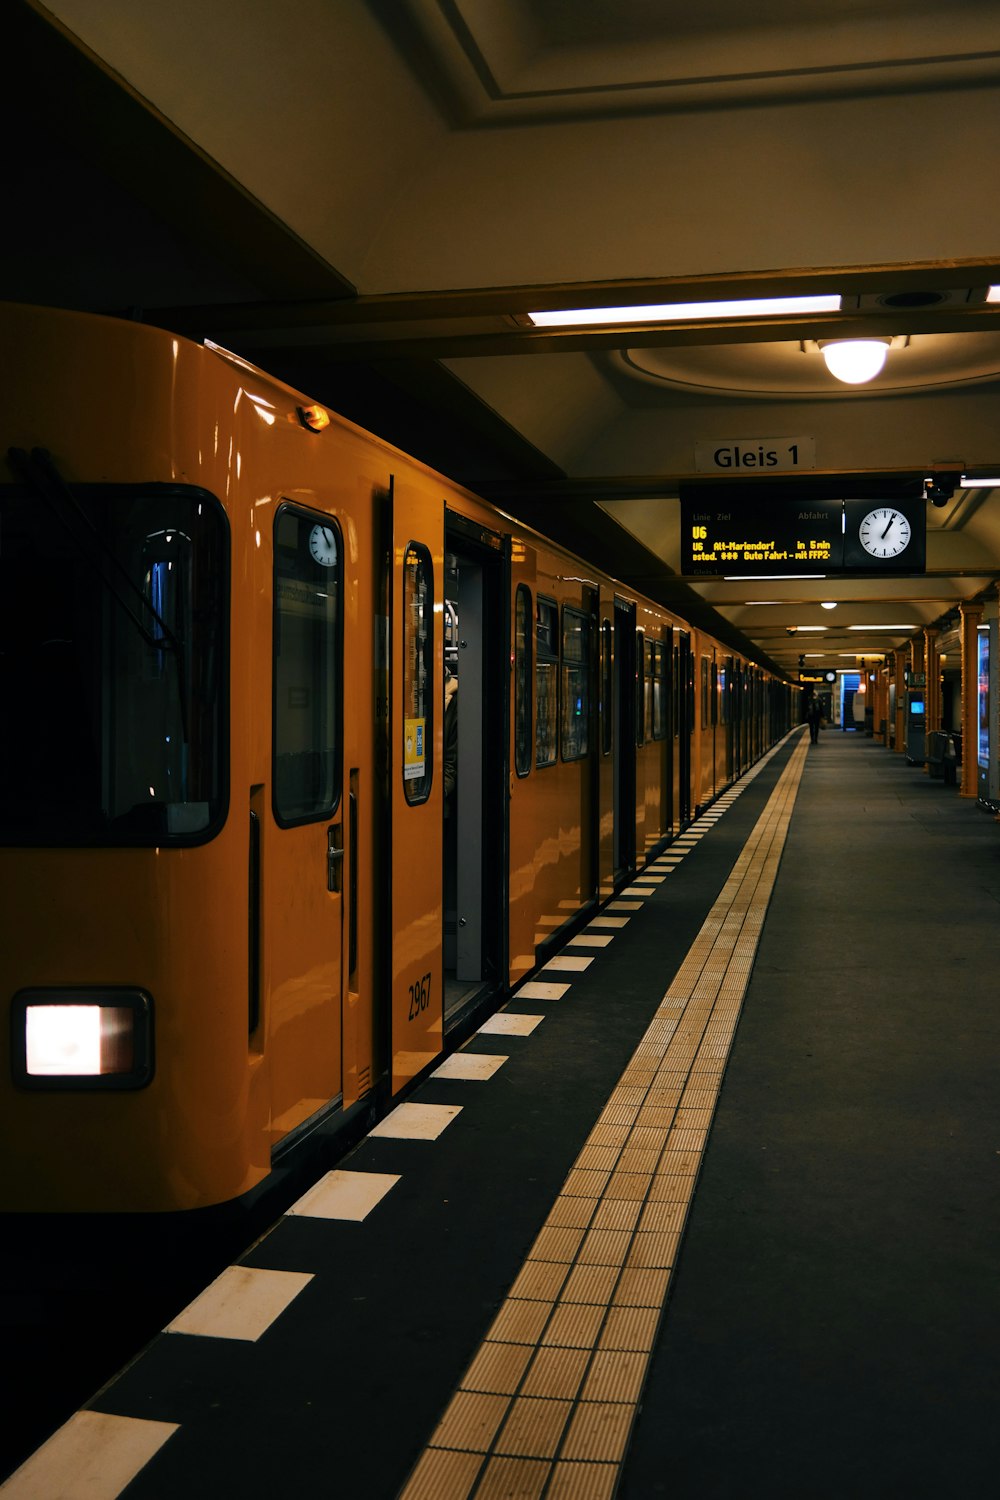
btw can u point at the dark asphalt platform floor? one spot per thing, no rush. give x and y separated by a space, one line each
833 1331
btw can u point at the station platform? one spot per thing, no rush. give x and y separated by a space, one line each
710 1208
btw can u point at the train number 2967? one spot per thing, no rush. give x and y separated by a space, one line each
420 994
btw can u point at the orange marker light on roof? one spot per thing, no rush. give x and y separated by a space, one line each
316 418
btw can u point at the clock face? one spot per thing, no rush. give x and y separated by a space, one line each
323 546
884 532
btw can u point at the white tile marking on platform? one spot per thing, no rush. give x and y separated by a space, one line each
470 1067
344 1195
242 1303
591 940
639 890
650 879
93 1456
570 905
550 921
536 989
610 922
508 1025
624 906
568 965
416 1122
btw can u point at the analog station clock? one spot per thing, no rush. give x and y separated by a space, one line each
884 532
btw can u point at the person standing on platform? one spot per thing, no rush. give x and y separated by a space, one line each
814 716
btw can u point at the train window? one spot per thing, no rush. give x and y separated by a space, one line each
418 673
675 697
659 688
705 711
723 695
307 675
607 690
640 688
648 686
575 704
522 680
546 684
113 641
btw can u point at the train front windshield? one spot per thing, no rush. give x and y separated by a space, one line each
113 609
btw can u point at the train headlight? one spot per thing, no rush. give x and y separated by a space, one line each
82 1039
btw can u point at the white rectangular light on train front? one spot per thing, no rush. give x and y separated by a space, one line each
62 1039
82 1039
686 312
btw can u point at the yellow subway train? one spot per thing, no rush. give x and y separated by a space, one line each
251 877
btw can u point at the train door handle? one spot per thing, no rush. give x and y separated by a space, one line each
334 856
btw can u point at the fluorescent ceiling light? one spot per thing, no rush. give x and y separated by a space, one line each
993 295
979 482
882 627
828 604
771 578
820 628
681 312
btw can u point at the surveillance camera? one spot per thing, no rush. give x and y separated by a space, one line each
939 488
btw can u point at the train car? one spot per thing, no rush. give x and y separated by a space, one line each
250 882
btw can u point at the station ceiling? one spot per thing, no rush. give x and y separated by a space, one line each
368 197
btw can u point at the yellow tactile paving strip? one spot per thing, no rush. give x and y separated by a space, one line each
546 1407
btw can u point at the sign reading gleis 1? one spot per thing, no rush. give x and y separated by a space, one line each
768 455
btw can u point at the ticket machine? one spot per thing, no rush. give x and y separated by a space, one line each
987 754
916 720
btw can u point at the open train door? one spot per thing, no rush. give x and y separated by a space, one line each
607 800
624 739
416 782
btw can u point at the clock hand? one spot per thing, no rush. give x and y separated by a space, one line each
888 528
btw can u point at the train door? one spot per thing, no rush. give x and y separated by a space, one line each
624 714
416 780
606 700
683 723
726 709
474 767
297 832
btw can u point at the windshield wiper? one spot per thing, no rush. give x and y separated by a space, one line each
39 472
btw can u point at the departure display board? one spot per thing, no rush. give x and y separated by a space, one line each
778 536
744 534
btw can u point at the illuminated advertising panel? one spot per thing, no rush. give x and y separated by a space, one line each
983 653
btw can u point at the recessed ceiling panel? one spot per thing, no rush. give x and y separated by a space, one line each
928 362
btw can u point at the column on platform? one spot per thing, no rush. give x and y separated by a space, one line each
932 666
899 678
971 615
882 676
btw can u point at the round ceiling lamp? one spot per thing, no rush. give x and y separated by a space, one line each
854 361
